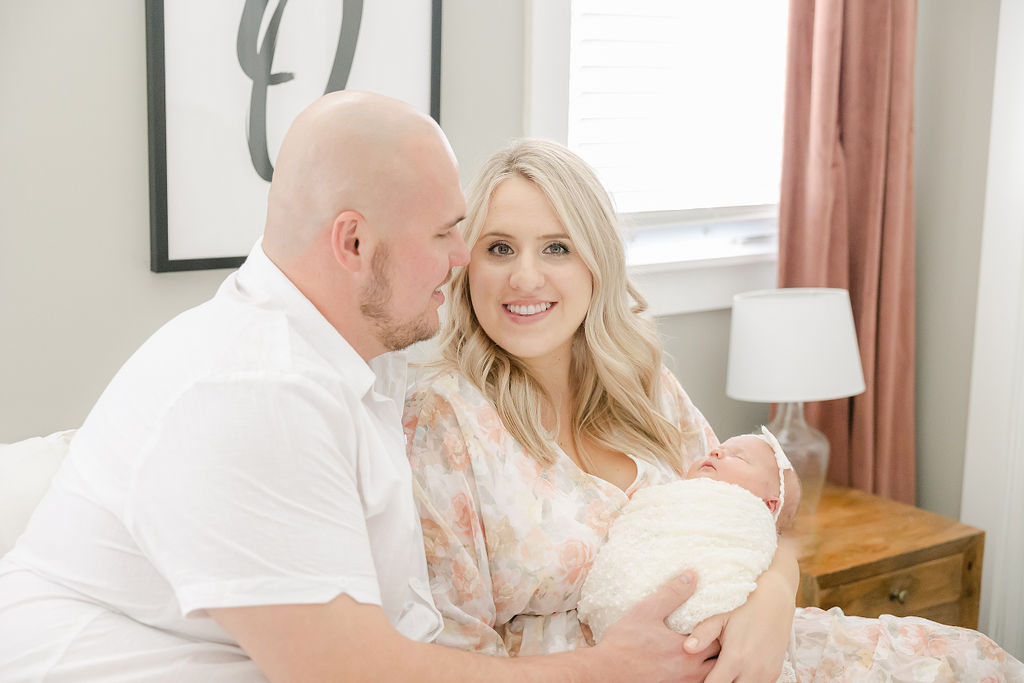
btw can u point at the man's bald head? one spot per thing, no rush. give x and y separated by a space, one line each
349 151
362 217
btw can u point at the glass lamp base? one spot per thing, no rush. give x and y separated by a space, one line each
807 448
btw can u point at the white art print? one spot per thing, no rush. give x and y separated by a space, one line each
226 79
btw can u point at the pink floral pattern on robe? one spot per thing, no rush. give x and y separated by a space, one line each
509 542
831 646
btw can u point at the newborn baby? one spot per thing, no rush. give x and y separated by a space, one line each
720 521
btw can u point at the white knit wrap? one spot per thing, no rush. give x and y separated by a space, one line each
721 530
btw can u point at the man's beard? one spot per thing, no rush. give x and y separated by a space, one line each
374 300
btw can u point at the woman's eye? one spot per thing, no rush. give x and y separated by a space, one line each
556 248
500 249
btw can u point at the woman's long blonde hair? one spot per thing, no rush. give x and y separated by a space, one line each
616 354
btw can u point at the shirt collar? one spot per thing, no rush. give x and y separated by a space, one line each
391 370
260 279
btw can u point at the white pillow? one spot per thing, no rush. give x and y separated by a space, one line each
26 468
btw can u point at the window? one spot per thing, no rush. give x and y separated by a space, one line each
678 105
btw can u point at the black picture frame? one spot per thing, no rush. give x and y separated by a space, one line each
161 223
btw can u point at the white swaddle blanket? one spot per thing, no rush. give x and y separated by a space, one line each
720 530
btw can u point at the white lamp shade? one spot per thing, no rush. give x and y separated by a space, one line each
793 344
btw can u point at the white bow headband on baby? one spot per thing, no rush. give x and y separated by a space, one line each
781 460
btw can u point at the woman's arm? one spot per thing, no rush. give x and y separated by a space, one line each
447 496
755 636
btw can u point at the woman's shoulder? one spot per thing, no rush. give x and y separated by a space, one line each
450 423
674 398
446 386
446 382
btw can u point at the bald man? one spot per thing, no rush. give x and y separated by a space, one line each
237 506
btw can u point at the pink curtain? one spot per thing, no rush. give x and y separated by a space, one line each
846 217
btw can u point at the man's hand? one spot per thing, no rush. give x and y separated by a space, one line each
640 647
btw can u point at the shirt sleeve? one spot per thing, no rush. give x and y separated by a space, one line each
698 436
453 534
248 495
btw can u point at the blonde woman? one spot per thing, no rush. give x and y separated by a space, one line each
550 408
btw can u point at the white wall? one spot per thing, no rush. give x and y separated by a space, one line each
970 276
993 490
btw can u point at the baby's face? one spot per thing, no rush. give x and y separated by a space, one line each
742 460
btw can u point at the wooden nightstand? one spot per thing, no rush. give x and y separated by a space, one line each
873 556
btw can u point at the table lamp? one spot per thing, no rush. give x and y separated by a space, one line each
788 346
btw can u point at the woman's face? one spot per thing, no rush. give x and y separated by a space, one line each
530 289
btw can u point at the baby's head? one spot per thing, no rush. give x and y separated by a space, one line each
755 462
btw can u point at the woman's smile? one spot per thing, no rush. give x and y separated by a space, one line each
529 312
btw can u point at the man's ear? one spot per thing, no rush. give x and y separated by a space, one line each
348 237
773 504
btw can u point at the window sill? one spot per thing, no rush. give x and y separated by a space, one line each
706 282
698 260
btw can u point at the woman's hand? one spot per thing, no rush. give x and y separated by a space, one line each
754 636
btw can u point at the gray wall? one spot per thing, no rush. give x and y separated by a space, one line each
76 293
956 45
698 347
77 296
482 59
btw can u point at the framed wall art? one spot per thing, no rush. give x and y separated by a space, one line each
225 80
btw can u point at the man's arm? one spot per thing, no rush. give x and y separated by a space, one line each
348 641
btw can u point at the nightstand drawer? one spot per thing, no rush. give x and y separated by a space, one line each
915 590
860 553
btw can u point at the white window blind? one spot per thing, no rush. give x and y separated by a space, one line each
678 103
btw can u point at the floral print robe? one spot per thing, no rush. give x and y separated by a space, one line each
509 542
